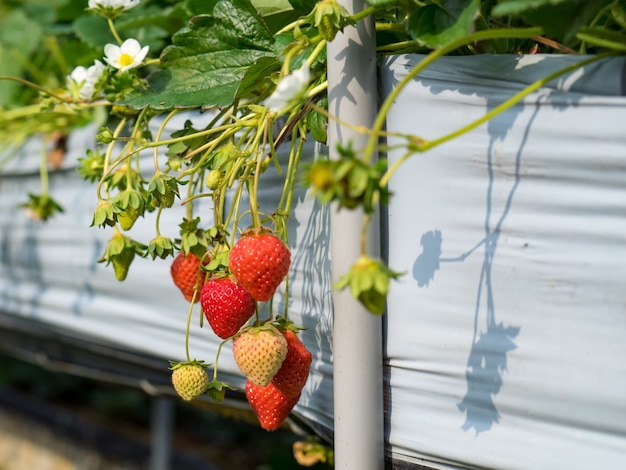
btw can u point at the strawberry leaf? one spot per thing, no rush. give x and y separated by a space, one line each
435 25
208 60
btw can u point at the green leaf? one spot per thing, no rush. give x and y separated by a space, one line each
256 73
276 13
435 25
20 32
208 60
560 19
318 122
94 31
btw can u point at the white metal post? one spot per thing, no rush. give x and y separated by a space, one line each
357 334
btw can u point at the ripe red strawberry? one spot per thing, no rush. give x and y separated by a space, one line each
226 305
259 352
184 271
270 404
189 379
260 262
294 371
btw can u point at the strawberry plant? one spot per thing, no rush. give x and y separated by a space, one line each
259 70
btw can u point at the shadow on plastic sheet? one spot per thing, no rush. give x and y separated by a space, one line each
487 361
491 340
21 263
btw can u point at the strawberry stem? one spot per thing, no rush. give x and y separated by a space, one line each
254 209
107 158
187 328
43 171
217 357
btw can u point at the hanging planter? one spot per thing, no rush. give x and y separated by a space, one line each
215 139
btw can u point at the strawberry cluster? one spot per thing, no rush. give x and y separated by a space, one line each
269 353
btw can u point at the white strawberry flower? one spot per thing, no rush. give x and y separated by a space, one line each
82 81
290 90
127 56
112 5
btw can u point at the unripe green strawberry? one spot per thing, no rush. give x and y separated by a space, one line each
327 28
226 305
163 189
127 217
294 371
259 352
185 274
189 379
214 179
270 404
121 263
260 262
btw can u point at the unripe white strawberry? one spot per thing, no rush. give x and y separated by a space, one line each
259 352
189 379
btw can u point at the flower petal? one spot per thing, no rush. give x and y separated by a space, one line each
131 47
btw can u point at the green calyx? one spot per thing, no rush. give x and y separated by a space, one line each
120 251
368 280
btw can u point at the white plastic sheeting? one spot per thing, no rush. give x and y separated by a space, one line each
505 337
49 271
504 342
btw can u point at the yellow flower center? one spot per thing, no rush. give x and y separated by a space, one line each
125 60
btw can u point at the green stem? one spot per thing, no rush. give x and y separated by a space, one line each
217 358
364 230
114 31
426 145
155 155
38 88
107 158
316 52
364 13
514 100
158 221
429 59
43 171
392 27
187 329
261 133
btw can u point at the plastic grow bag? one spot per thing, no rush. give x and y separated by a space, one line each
52 284
505 337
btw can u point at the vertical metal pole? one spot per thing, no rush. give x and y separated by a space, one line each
162 421
357 334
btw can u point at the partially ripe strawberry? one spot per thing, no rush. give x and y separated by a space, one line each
259 352
226 305
294 371
189 379
270 404
184 271
260 262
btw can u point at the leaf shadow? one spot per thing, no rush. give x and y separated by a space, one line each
428 262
